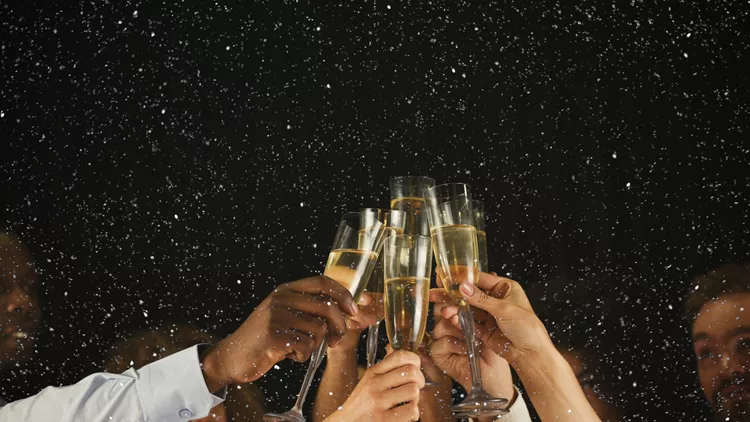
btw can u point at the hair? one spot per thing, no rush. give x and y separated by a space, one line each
733 277
244 402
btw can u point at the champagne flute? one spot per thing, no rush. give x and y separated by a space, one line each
407 269
394 221
407 194
355 251
454 242
479 223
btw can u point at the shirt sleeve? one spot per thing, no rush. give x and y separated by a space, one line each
170 390
518 412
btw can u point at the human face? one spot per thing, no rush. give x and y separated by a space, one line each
19 307
721 340
606 410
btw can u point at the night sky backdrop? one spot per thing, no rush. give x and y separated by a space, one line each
173 161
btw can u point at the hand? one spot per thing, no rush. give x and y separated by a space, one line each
449 353
433 372
370 312
290 323
513 329
389 391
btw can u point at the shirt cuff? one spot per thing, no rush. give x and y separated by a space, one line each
173 388
517 412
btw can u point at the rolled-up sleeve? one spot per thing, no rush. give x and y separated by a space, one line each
170 390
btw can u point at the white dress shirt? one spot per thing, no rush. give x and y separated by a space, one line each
168 390
517 412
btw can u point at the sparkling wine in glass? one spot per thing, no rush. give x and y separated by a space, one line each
394 221
479 222
407 268
355 251
454 242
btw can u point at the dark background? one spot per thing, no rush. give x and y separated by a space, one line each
175 161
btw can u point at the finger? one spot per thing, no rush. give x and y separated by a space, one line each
497 286
300 322
504 288
402 394
427 363
404 413
316 306
438 279
445 328
480 315
408 374
388 349
295 346
448 346
449 311
322 285
369 314
395 360
365 299
475 297
440 296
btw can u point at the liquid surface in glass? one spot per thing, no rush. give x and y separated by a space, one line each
352 268
455 248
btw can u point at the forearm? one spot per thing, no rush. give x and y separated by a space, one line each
165 390
553 388
435 402
339 379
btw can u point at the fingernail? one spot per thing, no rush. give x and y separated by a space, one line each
467 288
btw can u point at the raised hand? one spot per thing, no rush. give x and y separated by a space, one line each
290 323
388 392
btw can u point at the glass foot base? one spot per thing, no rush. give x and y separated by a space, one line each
290 416
479 405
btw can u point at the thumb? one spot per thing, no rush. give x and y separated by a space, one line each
479 299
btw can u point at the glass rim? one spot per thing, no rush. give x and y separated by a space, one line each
420 178
436 188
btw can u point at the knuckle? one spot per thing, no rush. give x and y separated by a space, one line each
414 411
414 390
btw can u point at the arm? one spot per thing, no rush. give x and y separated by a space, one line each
171 389
516 334
339 378
435 402
290 323
553 387
342 373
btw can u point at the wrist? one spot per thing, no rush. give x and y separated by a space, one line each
544 366
342 351
539 359
212 369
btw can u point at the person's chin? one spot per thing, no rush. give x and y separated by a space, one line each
17 350
735 408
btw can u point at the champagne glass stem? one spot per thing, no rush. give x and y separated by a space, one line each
372 344
466 319
315 361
